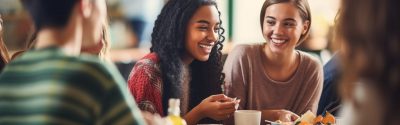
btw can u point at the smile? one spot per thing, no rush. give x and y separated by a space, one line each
207 46
278 41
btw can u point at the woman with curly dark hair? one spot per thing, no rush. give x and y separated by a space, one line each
185 63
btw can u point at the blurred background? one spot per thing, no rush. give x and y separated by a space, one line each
131 23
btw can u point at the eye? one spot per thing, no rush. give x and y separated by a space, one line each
216 29
270 22
202 28
289 24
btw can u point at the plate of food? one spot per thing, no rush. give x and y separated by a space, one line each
308 118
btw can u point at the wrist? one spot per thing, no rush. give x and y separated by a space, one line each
194 115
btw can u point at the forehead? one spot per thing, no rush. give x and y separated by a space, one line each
283 11
208 13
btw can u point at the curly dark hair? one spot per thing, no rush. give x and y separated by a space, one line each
168 42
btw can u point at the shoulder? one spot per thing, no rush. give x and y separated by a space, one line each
149 59
309 61
244 51
149 62
147 67
92 68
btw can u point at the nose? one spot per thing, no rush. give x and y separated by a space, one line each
278 30
212 36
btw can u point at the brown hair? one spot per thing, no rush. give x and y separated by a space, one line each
369 31
302 6
3 49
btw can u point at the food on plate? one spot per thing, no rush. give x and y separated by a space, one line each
309 118
329 119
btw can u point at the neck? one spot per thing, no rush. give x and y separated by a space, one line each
187 59
279 60
68 42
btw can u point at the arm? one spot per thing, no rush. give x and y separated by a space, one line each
315 90
235 78
278 114
144 84
235 85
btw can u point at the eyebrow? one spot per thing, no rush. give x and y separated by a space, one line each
203 21
206 22
287 19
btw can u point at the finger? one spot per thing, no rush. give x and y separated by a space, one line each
237 102
294 117
216 97
227 105
227 111
227 99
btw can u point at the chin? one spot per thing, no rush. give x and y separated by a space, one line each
203 59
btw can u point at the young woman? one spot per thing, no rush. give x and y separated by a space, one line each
185 63
273 77
370 53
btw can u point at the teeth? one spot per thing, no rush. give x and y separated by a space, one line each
205 46
278 41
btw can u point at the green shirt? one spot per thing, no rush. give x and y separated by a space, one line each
48 87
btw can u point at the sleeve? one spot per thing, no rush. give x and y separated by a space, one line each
144 84
117 104
235 76
316 84
235 83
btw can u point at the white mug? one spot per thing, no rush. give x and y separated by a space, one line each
247 117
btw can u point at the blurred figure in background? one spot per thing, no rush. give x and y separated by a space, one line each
370 35
45 84
140 15
5 58
330 99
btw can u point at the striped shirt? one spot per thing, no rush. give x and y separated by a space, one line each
47 87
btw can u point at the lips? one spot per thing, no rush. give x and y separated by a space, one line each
206 47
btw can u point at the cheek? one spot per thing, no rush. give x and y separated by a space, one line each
193 36
266 32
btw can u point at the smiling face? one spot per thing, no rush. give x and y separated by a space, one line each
283 27
202 33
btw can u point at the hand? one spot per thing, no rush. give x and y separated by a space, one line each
152 119
217 107
279 114
286 116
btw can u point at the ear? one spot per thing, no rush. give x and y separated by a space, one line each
306 25
86 8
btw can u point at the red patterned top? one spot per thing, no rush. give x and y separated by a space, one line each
145 84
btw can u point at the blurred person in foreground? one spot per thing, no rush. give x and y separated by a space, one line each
55 84
370 35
